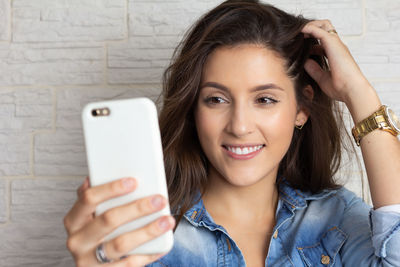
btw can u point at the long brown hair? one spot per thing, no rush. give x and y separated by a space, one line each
315 151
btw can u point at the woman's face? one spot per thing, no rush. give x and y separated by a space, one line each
246 113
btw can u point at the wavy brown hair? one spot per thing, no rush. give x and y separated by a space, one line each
315 151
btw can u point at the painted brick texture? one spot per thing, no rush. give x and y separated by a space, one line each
4 20
58 55
59 20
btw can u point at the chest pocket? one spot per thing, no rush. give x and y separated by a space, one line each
324 253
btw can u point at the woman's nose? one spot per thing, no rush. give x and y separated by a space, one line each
241 121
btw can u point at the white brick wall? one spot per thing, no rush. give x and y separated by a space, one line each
58 55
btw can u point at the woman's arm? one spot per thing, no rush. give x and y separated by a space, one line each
381 153
345 82
380 150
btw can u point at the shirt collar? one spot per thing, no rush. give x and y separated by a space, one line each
197 215
294 198
297 198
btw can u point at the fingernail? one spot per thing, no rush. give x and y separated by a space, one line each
164 223
157 202
128 182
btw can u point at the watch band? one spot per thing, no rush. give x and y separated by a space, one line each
376 120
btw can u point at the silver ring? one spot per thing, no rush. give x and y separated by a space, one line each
101 255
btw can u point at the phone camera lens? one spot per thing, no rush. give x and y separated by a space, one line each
100 112
95 112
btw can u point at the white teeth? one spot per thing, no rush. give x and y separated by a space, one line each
245 150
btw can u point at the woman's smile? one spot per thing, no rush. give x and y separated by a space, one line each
242 152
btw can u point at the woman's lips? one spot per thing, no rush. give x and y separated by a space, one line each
242 157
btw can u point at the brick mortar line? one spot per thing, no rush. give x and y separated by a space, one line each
119 41
106 78
108 86
36 178
54 95
364 16
10 23
107 42
14 177
60 44
127 19
35 132
384 80
31 154
8 37
135 84
44 131
8 200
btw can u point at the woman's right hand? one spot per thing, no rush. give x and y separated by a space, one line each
86 232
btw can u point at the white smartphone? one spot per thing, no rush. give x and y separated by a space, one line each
122 139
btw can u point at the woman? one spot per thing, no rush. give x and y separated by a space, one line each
251 138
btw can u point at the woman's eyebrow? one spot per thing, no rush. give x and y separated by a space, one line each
255 89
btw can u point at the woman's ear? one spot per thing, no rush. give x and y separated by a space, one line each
308 92
303 113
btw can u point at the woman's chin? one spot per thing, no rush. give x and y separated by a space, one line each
241 177
244 180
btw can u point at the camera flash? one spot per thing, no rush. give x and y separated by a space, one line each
105 111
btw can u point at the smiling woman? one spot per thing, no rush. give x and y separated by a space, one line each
244 117
238 54
252 138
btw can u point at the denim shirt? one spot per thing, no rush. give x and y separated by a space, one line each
331 228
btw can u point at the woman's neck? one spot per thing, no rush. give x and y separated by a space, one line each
255 203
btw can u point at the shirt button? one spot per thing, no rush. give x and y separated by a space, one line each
275 234
325 260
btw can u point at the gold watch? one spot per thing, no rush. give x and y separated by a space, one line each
383 119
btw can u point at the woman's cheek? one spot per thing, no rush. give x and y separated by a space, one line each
278 127
207 124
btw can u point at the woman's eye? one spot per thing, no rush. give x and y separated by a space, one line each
266 100
214 100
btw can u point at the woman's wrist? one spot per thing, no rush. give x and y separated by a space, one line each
362 102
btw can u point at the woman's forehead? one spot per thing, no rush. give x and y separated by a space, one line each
245 66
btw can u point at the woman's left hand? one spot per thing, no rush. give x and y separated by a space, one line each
345 78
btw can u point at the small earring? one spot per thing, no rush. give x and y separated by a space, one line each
299 126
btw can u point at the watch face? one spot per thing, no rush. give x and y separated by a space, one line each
394 120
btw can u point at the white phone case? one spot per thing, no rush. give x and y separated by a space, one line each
127 143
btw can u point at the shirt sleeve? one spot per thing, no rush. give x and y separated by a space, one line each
373 236
385 225
390 208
